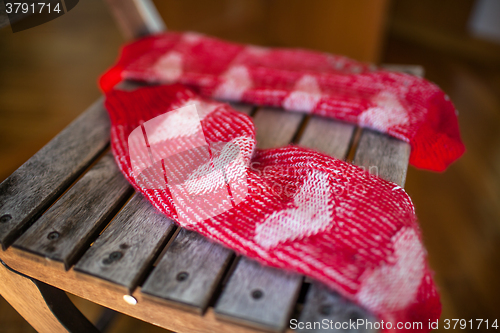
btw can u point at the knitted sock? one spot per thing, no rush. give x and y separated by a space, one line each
401 105
304 211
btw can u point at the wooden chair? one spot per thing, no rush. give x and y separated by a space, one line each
70 222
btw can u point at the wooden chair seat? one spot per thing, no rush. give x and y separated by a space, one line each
70 221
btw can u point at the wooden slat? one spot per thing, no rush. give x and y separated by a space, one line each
189 272
136 18
250 291
383 155
127 247
39 181
275 128
67 228
328 136
323 305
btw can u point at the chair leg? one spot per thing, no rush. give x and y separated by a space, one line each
46 308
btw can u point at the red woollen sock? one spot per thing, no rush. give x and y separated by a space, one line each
302 210
401 105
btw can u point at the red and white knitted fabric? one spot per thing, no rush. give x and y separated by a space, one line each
304 211
404 106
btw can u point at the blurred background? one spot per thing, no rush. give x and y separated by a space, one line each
48 77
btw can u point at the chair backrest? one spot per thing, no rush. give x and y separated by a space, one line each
136 18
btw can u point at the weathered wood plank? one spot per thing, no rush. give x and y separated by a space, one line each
39 181
250 291
328 136
68 227
383 156
189 272
136 18
275 128
123 252
323 304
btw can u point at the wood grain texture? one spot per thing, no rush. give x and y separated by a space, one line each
189 272
323 304
328 136
275 128
123 252
384 156
46 308
25 297
39 181
258 296
68 227
136 18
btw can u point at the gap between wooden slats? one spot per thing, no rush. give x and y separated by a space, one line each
37 183
188 274
123 253
65 231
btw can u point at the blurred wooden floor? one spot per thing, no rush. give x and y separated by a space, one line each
48 76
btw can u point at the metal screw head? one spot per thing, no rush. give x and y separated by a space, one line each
257 294
53 235
182 276
115 255
5 218
130 299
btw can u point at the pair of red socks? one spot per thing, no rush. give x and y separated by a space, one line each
300 210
